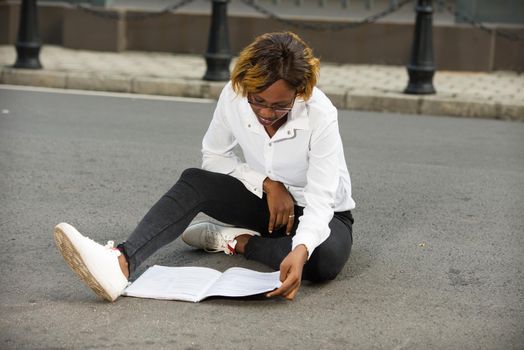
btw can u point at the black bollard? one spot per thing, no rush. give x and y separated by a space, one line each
28 42
218 54
422 66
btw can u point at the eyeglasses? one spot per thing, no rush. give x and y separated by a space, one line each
277 110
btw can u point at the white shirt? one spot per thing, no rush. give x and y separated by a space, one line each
305 154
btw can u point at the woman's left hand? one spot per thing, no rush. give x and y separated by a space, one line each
280 205
291 273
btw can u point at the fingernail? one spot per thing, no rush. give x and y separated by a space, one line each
288 233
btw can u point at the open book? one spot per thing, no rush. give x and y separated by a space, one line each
197 283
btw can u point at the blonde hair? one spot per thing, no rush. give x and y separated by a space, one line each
274 56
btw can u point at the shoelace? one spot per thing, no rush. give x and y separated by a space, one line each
110 246
219 241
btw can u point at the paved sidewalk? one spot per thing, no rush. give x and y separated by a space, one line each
359 87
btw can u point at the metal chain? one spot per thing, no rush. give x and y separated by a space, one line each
314 27
477 24
326 27
131 16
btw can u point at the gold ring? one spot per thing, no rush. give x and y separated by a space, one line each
292 216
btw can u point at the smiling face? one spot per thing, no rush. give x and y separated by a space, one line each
272 105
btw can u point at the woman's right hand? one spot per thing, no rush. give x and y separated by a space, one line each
280 204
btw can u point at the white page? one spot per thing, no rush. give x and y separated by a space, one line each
239 282
178 283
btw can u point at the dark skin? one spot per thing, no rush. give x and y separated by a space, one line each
279 200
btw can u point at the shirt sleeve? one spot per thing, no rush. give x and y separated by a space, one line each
322 182
219 143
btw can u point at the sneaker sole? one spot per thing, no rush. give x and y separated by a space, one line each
75 262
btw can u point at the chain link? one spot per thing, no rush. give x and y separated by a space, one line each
326 27
131 16
314 27
471 21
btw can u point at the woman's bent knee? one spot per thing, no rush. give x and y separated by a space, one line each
192 173
320 274
324 267
198 179
327 261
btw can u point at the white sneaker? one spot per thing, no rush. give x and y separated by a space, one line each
214 238
95 264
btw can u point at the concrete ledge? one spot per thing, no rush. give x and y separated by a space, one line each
365 100
369 100
33 77
177 87
158 86
214 89
171 87
435 105
98 82
338 96
512 111
194 88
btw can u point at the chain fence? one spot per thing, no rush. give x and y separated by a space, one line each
325 27
320 27
131 16
477 24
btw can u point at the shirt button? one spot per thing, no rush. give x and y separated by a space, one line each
289 132
269 144
248 125
269 171
255 189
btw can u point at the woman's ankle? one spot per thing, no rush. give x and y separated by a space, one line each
124 266
123 260
241 243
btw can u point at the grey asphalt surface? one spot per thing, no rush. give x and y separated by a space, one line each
437 261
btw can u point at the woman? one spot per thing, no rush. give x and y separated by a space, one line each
289 200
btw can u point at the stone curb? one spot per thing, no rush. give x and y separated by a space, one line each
365 100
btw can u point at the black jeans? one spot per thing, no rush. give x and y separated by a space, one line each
226 199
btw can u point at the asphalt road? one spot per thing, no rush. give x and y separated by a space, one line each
437 261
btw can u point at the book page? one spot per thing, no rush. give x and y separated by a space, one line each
239 282
173 283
